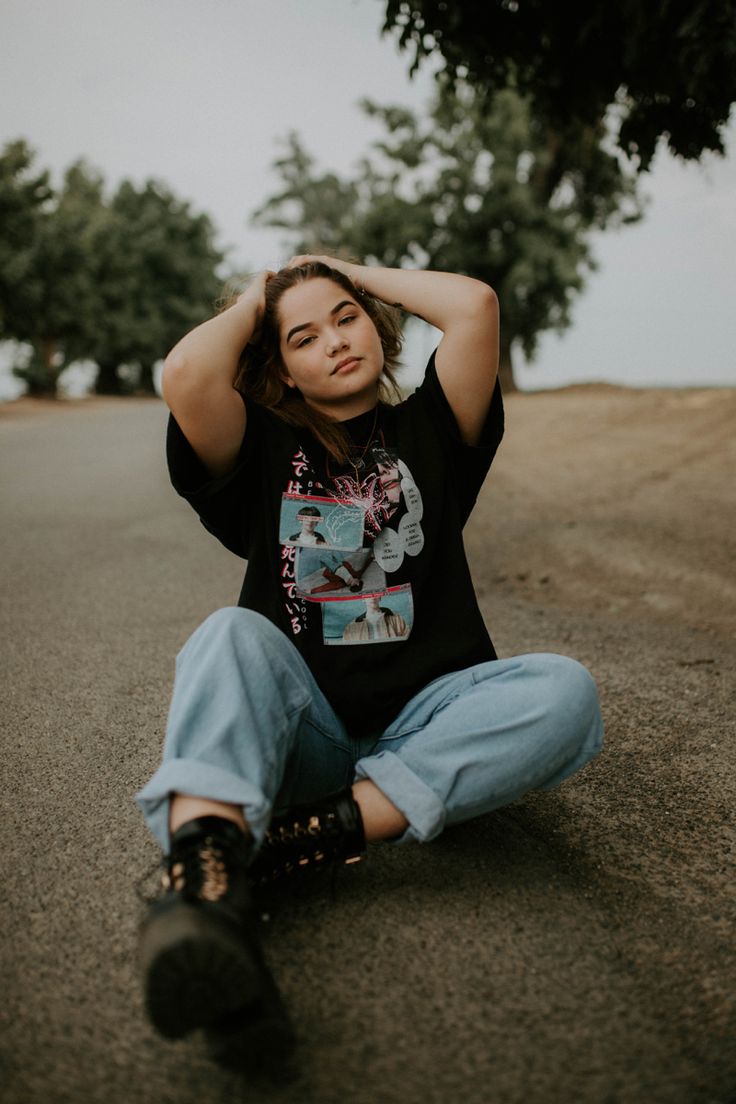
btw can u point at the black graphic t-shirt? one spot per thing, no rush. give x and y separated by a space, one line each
362 566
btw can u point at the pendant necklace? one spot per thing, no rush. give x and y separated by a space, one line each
359 464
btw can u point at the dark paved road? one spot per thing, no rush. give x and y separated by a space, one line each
576 947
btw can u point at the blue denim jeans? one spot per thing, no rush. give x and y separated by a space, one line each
248 725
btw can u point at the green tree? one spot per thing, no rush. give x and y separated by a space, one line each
668 68
25 194
53 301
468 190
42 245
83 277
320 208
156 276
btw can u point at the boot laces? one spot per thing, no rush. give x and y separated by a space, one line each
198 871
299 843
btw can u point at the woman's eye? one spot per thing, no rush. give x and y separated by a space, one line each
347 318
304 341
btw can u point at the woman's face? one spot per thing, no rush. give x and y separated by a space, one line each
389 477
330 348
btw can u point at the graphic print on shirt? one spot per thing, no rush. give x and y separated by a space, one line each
390 545
327 574
337 548
373 619
303 482
375 484
309 522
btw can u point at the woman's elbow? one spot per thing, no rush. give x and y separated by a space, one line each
487 299
481 301
474 315
176 377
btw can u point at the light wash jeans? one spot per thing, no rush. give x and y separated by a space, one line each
248 725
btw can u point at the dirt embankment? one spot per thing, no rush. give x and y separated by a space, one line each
616 500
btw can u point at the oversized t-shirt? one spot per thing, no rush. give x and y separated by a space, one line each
362 566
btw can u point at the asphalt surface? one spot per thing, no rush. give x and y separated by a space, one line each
575 947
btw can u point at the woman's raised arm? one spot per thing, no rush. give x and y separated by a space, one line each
466 310
198 379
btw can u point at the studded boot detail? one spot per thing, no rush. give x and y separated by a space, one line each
200 952
315 835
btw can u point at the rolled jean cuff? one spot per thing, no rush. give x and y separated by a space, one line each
413 798
197 779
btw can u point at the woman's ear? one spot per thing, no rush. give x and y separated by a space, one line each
286 378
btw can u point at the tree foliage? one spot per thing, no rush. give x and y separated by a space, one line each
58 295
112 280
669 67
469 189
157 277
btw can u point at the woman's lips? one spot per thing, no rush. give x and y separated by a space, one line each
346 365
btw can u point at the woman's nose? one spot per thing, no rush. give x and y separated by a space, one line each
335 340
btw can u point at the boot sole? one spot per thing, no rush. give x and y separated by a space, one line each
195 972
259 1039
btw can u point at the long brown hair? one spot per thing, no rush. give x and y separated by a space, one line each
259 372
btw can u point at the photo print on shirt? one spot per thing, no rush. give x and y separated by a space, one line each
324 573
377 618
391 545
316 522
389 475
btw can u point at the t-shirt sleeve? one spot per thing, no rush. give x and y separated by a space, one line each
219 501
471 463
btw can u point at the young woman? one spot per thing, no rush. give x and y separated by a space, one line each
300 726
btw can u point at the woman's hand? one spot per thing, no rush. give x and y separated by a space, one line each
254 296
352 271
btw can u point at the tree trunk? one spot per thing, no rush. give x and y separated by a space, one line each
145 380
505 369
108 381
41 376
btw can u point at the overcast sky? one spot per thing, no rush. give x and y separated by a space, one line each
198 93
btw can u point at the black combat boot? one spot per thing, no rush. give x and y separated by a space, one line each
200 952
317 835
